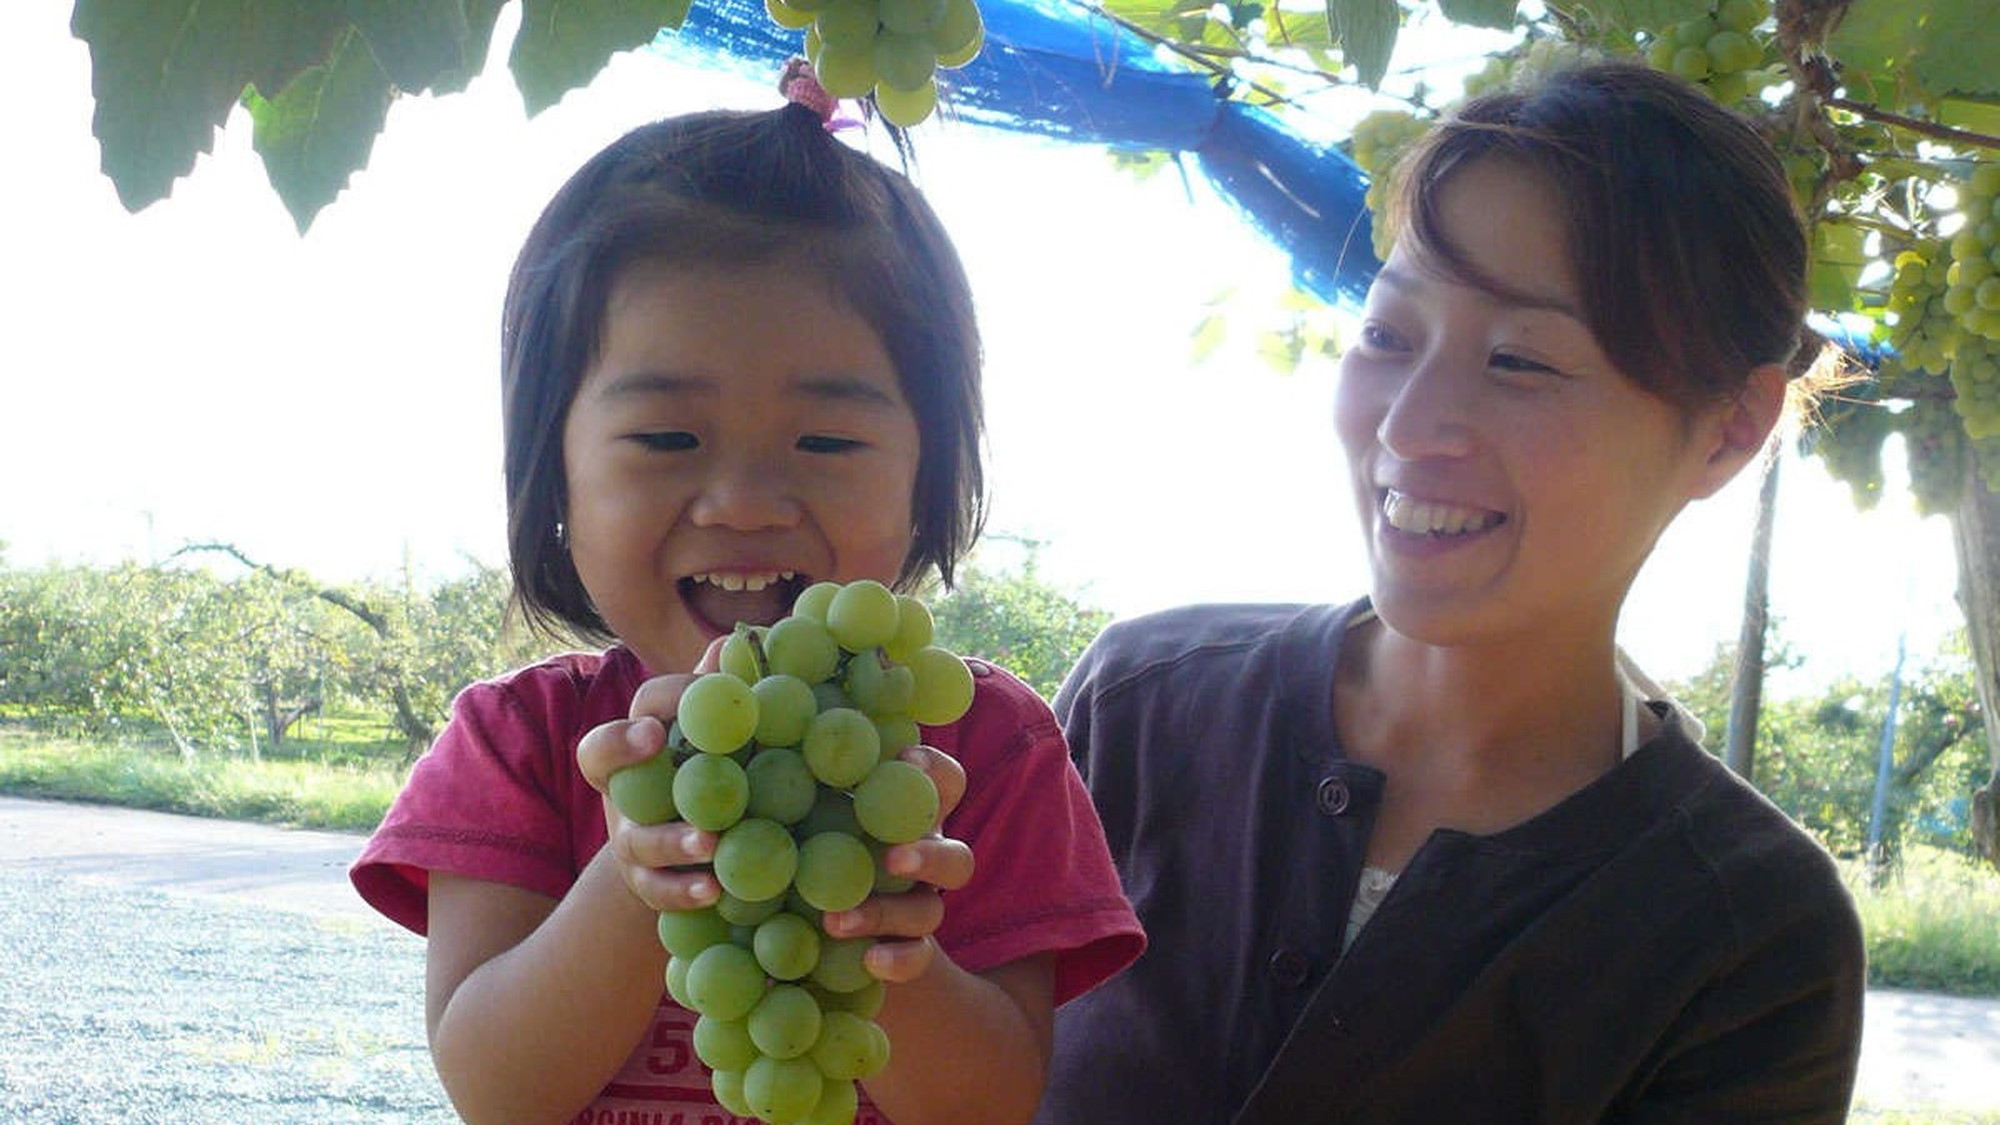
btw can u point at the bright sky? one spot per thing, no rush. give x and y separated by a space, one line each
199 371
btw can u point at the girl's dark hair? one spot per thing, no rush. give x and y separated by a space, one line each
735 188
1687 248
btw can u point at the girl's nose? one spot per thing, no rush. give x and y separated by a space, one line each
746 494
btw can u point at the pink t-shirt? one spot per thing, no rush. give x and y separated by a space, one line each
499 797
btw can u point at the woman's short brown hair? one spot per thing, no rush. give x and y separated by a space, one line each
1685 242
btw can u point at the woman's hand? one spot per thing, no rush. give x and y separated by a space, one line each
653 858
906 921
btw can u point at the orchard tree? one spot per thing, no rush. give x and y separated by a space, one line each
1887 113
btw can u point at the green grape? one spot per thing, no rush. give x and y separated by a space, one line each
1934 442
800 646
830 694
847 24
914 628
1730 52
644 792
728 1088
841 746
743 912
903 62
786 1022
1987 295
677 975
724 1044
1660 54
1691 63
710 792
784 706
847 71
838 1103
724 981
865 1001
832 811
781 787
836 871
1849 441
896 803
943 687
788 16
794 904
741 655
959 35
813 600
905 108
1695 32
912 17
897 732
862 615
786 945
1742 15
782 1091
879 688
685 933
842 966
755 859
846 1048
718 713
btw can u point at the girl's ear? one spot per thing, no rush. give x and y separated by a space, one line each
1735 433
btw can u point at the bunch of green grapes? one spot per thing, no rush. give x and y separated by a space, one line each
1849 440
1973 282
1379 140
791 753
1922 330
1975 380
1935 444
890 48
1723 50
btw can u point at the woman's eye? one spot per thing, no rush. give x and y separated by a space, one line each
1506 361
668 441
1375 337
820 443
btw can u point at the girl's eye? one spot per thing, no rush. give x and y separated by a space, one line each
820 443
668 441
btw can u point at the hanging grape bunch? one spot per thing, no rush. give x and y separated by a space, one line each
1378 141
1972 296
790 754
890 48
1722 51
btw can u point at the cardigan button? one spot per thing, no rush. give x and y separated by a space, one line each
1332 795
1289 967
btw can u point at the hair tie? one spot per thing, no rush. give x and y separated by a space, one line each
800 85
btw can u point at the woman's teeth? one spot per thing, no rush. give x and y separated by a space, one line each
1423 517
751 582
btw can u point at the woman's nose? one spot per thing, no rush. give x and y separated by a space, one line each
1427 415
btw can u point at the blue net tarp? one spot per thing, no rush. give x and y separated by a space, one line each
1056 68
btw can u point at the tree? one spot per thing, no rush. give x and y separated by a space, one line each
1019 621
1886 111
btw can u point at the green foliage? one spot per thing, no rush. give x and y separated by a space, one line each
1929 923
1019 621
1817 755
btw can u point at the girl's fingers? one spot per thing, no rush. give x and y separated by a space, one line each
912 914
899 962
609 747
657 861
942 862
944 771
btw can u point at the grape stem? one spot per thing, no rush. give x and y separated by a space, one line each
1916 124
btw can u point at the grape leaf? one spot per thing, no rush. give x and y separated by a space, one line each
1980 115
165 74
419 43
1945 45
321 127
1480 13
563 44
1367 31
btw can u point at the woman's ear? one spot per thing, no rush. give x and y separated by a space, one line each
1737 431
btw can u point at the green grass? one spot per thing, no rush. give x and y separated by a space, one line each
1930 925
310 793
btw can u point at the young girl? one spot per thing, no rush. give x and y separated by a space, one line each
1436 856
739 357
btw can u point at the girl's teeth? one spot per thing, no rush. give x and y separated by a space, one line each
1421 517
751 582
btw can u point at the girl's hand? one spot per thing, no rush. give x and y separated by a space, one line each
652 857
905 922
